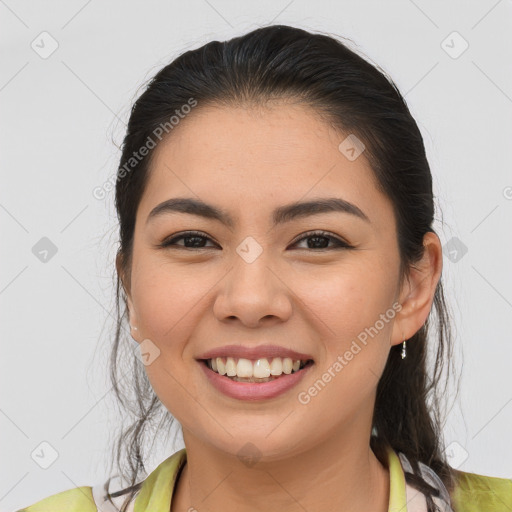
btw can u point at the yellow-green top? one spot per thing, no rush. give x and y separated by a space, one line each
473 492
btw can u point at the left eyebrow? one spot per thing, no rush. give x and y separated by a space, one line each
297 210
280 215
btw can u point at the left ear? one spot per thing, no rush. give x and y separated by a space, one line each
418 290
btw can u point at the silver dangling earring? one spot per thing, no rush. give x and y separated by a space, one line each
404 353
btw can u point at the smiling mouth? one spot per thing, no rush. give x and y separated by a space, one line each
244 370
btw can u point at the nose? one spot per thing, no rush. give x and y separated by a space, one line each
253 294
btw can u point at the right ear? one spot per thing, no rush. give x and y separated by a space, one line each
132 317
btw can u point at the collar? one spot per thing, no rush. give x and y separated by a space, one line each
157 489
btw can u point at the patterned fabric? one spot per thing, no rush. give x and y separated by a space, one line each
416 501
473 493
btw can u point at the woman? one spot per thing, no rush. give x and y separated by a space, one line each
279 268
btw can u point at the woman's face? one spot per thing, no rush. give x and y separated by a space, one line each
257 283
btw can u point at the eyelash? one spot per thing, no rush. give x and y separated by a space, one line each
340 244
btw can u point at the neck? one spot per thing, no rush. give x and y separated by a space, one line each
335 475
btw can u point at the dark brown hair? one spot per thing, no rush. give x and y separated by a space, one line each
282 62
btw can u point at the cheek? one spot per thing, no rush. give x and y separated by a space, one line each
343 311
167 300
345 301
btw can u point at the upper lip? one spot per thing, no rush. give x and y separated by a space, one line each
261 351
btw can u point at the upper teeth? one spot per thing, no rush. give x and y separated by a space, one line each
259 369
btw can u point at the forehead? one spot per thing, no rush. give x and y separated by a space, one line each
258 157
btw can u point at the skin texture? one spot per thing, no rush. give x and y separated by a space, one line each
248 161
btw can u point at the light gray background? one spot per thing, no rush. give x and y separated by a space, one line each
59 116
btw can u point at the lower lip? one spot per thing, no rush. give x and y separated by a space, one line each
254 390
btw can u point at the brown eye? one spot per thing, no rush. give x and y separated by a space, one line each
323 238
192 240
